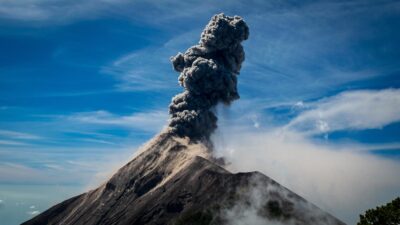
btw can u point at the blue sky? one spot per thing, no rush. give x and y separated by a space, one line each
83 84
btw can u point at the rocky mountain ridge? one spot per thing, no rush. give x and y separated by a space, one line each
175 182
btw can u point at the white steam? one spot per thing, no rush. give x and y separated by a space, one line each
341 180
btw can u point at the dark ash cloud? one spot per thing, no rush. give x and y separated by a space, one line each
208 73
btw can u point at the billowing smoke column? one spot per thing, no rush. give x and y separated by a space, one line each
208 72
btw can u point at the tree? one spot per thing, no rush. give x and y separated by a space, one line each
388 214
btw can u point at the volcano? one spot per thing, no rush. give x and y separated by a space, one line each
175 179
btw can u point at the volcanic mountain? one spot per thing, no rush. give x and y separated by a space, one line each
175 179
175 182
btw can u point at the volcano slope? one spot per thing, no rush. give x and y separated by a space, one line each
175 180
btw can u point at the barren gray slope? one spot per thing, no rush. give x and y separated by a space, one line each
174 182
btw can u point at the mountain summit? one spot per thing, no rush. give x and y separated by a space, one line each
175 180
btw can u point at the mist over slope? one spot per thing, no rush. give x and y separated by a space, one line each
176 180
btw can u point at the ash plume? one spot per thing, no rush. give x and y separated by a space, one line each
208 73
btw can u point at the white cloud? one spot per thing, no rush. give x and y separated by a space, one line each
34 212
343 180
307 59
98 141
13 138
152 121
277 52
18 135
298 105
64 11
150 68
12 143
13 172
86 167
53 166
352 110
51 12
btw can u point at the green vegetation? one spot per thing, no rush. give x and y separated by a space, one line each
388 214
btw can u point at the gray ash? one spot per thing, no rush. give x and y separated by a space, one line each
208 73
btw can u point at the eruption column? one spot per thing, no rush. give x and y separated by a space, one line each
208 73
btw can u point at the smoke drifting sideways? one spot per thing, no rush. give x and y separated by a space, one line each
208 74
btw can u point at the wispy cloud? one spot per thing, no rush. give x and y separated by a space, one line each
97 141
87 167
45 12
14 138
152 121
14 172
150 68
352 110
34 212
81 129
55 12
279 50
18 135
12 143
313 49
